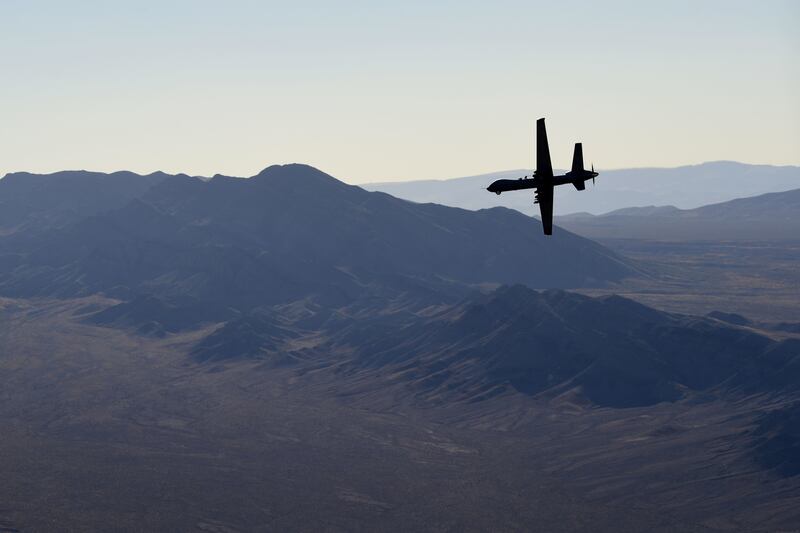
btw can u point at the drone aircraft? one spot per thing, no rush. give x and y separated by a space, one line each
544 181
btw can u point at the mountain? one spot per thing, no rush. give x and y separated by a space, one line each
610 351
288 233
686 187
772 216
39 202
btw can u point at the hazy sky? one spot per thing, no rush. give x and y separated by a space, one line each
398 90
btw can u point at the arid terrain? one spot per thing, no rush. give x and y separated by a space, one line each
757 279
320 267
188 355
107 427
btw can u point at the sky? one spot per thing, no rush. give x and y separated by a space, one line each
384 91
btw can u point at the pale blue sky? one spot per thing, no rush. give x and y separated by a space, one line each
401 90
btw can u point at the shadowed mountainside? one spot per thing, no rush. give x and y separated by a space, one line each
778 440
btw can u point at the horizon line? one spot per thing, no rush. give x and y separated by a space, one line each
390 181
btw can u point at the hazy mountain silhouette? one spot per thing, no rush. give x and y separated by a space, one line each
772 216
287 233
40 202
686 187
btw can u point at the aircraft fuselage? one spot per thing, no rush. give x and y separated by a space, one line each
572 177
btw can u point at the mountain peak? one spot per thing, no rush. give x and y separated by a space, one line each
293 171
298 177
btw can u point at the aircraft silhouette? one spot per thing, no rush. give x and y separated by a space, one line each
544 181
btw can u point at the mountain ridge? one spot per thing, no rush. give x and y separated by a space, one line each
287 233
611 351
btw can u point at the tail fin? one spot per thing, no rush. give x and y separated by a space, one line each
577 158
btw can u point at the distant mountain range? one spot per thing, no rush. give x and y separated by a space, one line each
772 216
289 232
686 187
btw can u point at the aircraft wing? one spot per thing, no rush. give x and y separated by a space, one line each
544 197
544 176
544 170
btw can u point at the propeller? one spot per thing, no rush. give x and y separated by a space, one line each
593 174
